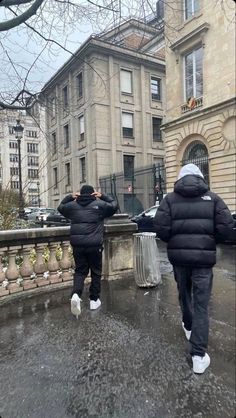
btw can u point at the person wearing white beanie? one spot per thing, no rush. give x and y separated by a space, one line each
190 169
192 219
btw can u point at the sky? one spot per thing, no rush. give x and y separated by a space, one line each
27 61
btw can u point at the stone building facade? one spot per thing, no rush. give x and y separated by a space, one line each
33 155
104 108
200 91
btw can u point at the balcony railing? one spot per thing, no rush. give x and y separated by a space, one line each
33 258
186 108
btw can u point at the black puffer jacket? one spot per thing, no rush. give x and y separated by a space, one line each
87 214
192 219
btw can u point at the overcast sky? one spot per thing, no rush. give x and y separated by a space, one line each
27 61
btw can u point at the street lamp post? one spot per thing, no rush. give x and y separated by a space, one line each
18 129
38 184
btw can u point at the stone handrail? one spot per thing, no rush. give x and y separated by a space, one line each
33 258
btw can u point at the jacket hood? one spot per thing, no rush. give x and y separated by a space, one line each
191 185
190 169
85 199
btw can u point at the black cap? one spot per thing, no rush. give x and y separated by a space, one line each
86 189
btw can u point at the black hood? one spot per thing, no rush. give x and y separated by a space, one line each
191 185
85 199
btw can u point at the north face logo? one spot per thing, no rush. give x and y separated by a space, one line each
206 197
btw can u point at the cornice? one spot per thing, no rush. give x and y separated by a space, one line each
198 113
96 45
197 33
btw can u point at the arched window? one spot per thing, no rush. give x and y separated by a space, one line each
197 153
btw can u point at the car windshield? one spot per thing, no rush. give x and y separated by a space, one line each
151 212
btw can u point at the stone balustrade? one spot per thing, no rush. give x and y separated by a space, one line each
33 258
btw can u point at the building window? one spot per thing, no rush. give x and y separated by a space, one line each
34 161
13 144
67 169
128 163
156 88
33 189
14 158
65 96
193 74
32 148
156 129
54 143
33 200
14 184
81 127
31 134
126 81
14 171
33 173
191 7
79 85
83 170
127 125
66 136
11 130
55 178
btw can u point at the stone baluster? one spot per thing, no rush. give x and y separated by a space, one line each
26 269
40 266
65 262
12 272
53 265
3 290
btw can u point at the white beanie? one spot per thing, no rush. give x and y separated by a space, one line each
191 169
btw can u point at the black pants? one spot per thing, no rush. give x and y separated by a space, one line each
194 286
86 259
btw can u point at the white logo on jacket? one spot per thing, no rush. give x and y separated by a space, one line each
206 197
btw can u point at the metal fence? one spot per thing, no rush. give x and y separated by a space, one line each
137 191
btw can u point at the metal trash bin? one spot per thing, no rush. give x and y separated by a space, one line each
146 260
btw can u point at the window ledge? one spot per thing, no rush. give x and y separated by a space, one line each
191 19
198 103
197 34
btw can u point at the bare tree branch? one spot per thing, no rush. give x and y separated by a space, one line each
6 3
9 24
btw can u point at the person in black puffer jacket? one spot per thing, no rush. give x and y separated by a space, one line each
192 220
87 210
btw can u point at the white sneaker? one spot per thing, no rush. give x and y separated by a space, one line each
200 364
187 333
75 305
95 304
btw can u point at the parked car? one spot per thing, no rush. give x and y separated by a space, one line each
56 219
29 210
145 223
145 219
40 215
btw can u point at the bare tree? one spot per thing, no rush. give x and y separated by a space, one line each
34 32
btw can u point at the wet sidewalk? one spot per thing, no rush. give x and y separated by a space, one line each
128 360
